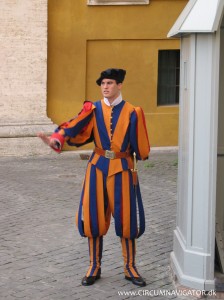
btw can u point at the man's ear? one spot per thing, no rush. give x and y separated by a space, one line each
119 85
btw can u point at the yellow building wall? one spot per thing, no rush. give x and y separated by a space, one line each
84 40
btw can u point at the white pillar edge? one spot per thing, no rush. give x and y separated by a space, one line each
194 267
190 281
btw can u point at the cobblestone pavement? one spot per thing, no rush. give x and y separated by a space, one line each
42 255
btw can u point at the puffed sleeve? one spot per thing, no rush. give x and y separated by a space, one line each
138 134
77 131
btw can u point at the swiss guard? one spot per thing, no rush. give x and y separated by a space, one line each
111 185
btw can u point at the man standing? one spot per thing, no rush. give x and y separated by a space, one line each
111 185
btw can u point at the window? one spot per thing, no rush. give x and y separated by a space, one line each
117 2
168 77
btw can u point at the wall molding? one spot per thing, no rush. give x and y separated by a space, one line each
117 2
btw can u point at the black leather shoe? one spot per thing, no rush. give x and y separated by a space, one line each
91 279
136 280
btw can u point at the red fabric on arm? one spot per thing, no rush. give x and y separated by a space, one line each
60 138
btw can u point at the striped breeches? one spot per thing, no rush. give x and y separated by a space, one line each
105 195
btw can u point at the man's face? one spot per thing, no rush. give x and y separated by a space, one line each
110 89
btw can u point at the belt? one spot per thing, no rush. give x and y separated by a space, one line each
111 154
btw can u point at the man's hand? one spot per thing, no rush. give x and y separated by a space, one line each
47 140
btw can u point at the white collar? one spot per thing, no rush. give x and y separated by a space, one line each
115 102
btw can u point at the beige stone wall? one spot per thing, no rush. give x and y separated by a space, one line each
23 72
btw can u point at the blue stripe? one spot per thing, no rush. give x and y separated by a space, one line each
104 138
87 141
80 221
73 131
133 214
93 202
103 164
116 115
91 157
133 258
106 202
124 163
126 140
128 258
133 135
118 203
101 248
141 211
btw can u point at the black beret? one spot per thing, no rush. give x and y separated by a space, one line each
116 74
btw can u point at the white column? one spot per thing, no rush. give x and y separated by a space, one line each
194 237
23 38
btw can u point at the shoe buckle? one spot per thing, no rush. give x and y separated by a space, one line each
110 154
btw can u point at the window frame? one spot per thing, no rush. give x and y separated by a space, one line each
160 83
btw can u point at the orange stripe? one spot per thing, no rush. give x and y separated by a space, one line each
131 263
134 254
125 256
77 119
97 255
86 214
126 204
106 116
143 140
124 252
115 166
100 203
90 256
110 192
95 159
132 258
122 125
96 133
82 136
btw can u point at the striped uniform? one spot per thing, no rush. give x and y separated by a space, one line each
108 185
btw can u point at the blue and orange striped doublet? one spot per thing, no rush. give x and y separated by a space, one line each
108 186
